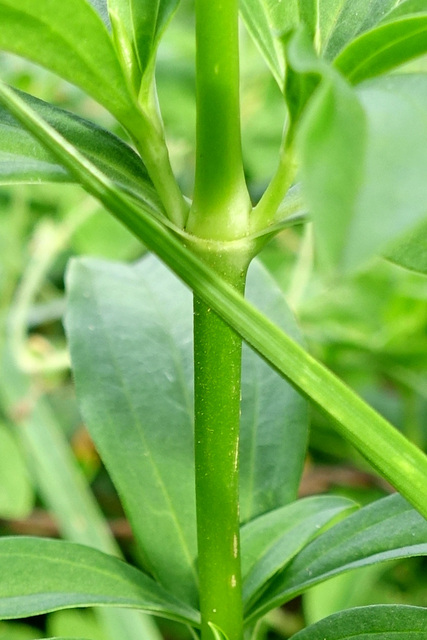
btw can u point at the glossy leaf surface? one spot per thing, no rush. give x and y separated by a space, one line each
397 459
70 39
137 322
24 160
382 193
384 48
64 575
271 541
380 622
384 530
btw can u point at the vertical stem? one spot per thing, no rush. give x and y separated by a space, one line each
221 202
217 360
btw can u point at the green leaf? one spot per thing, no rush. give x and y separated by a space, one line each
40 575
381 622
274 417
138 26
398 460
24 160
271 541
411 250
384 48
367 194
145 386
218 633
384 530
16 494
70 39
128 329
331 24
406 8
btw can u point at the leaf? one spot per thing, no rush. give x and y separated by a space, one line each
70 39
138 26
406 8
384 48
386 529
411 250
129 332
218 633
137 322
64 575
274 417
102 9
16 493
381 622
365 196
397 459
271 541
22 159
331 24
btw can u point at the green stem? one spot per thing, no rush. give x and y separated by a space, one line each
217 363
221 202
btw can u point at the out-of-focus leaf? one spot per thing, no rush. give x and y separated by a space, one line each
23 159
16 494
406 8
411 250
102 9
16 631
382 192
271 541
388 46
70 39
380 622
387 529
138 26
40 575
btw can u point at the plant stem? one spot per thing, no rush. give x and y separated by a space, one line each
221 202
217 363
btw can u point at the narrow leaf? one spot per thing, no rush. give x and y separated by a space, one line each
138 26
70 39
271 541
384 48
384 530
64 575
398 460
380 622
24 160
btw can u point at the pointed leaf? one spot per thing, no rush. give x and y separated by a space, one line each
23 159
397 459
70 39
271 541
138 26
274 416
40 575
380 622
410 251
384 530
384 48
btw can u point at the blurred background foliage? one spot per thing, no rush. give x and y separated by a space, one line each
370 328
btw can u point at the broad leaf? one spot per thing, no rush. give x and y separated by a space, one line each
138 26
382 192
102 9
70 39
384 48
331 23
380 622
384 530
274 417
271 541
406 8
137 322
24 160
401 462
40 575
